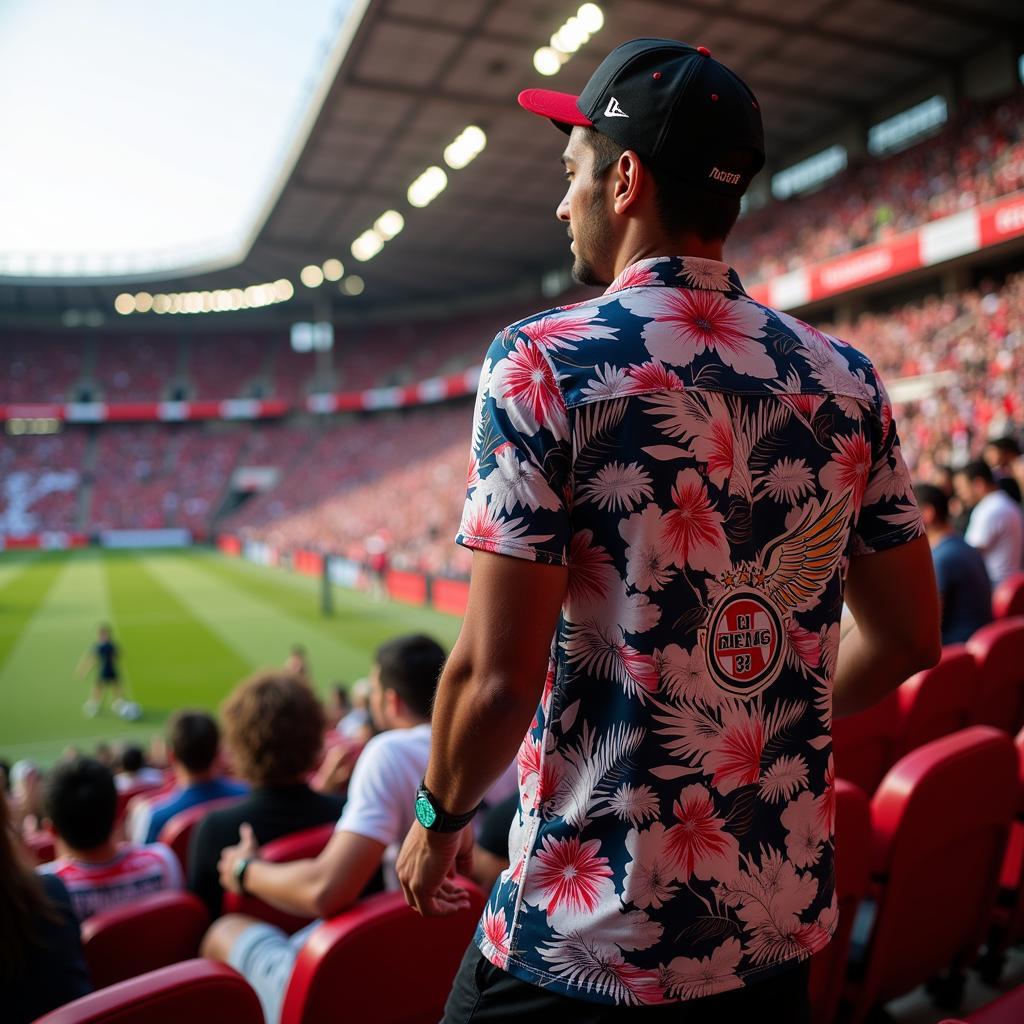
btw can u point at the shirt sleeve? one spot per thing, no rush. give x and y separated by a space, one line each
889 515
372 808
521 457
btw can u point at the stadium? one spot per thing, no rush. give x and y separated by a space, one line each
244 362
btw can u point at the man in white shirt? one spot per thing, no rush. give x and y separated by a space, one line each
996 526
376 818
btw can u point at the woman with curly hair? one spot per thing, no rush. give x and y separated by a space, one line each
273 730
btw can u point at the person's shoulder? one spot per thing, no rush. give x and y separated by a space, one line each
555 332
386 745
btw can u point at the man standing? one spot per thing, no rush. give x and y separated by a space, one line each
964 588
103 656
996 526
672 490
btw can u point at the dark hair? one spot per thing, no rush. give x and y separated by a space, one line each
977 469
411 666
681 207
23 901
1007 445
132 758
274 728
81 801
194 738
935 498
5 767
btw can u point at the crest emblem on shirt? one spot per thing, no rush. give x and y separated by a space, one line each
745 639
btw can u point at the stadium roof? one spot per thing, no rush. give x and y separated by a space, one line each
417 72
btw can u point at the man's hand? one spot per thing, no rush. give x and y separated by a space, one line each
231 856
336 769
426 867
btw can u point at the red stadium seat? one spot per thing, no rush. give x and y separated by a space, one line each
940 819
1007 1009
1008 597
998 649
938 701
1008 916
197 991
332 974
161 929
307 843
177 833
864 744
853 852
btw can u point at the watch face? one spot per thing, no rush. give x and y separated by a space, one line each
425 813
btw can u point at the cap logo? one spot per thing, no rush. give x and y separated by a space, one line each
614 110
727 176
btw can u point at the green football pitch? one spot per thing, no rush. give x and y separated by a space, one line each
190 625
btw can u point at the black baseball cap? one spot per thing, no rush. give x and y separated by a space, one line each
675 105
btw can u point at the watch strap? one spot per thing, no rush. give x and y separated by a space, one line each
240 869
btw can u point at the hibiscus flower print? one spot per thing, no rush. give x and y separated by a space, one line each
496 937
686 677
702 273
569 880
634 276
608 382
648 557
515 482
692 978
482 523
687 324
591 572
699 845
788 481
802 820
524 385
635 804
735 758
714 441
693 529
653 376
618 487
849 468
650 872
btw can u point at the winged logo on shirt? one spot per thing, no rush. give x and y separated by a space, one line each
746 634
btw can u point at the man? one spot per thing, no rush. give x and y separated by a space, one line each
103 657
133 771
194 739
375 820
81 801
996 526
273 730
1002 455
672 490
964 587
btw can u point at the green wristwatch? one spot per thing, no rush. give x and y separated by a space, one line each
431 816
240 869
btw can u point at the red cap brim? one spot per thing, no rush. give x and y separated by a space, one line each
559 106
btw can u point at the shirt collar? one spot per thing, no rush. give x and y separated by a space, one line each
678 272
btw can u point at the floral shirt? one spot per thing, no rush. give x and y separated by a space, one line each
705 466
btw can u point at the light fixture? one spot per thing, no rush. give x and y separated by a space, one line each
548 61
388 224
311 276
333 269
143 302
367 245
591 17
465 147
427 187
124 303
353 285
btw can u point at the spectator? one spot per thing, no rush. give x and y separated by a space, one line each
81 802
358 723
194 745
337 705
273 729
964 587
26 795
375 820
42 966
1002 455
135 772
297 663
996 526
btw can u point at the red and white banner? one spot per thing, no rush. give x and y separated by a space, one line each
932 243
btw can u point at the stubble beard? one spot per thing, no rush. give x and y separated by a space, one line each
594 238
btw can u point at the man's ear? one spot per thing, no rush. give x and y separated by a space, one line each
629 179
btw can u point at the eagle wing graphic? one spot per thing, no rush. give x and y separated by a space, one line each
798 565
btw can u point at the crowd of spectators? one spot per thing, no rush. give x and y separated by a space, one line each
288 763
979 155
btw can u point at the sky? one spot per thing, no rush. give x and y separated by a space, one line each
154 128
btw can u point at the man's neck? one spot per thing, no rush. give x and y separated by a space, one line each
632 251
184 778
102 854
937 534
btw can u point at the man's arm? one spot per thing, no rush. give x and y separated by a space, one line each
316 887
486 698
895 606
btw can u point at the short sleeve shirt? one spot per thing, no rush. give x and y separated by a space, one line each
705 466
135 872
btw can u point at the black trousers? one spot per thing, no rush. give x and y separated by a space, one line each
485 994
